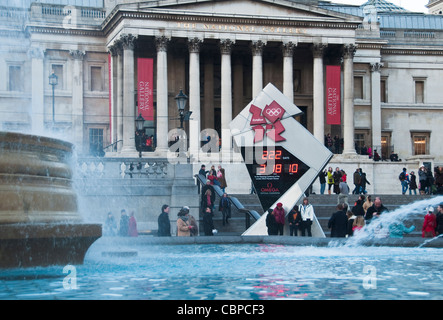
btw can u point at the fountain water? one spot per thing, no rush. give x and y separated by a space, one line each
170 268
379 226
39 221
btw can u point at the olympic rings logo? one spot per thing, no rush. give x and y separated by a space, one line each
275 112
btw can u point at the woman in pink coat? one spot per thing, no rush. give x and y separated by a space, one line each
428 230
279 214
133 226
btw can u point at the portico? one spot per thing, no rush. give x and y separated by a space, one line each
222 62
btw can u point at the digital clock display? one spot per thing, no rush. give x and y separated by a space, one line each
270 166
273 171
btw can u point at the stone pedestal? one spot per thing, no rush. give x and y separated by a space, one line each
31 245
39 221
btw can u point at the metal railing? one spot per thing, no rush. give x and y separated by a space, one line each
112 146
201 181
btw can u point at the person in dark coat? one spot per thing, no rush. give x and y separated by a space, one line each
358 210
363 181
322 177
271 223
375 210
338 223
439 220
225 207
203 171
164 224
207 196
124 224
208 223
413 183
294 219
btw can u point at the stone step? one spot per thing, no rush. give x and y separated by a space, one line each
325 206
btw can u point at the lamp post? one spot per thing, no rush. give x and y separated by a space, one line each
53 81
181 99
139 125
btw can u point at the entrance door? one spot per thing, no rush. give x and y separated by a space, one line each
303 118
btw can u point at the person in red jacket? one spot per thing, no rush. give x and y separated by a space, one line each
133 226
279 214
428 230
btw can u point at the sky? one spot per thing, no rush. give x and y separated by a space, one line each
411 5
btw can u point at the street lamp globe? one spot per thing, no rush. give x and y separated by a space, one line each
181 99
53 79
139 122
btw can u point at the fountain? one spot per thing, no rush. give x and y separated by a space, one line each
39 221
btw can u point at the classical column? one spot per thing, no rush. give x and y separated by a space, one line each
77 96
348 101
208 109
288 70
257 67
128 43
162 94
237 84
376 105
319 92
38 100
226 95
119 103
194 45
112 96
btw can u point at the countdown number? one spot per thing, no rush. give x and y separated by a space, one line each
278 168
272 155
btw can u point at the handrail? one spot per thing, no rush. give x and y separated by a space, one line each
234 201
112 145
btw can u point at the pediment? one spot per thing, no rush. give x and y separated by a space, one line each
251 8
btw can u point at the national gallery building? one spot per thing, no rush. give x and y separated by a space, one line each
89 69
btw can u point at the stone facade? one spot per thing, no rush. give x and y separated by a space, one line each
221 54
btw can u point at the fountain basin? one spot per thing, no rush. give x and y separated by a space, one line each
36 180
39 220
30 245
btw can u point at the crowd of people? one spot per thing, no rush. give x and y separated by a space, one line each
427 182
126 228
344 222
300 218
187 225
337 182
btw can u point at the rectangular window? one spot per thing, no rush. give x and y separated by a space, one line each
358 87
386 148
96 79
96 142
58 71
419 91
360 141
15 78
383 97
420 143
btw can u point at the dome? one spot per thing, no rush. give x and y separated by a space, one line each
384 6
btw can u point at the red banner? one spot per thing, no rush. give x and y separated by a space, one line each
333 105
110 98
145 86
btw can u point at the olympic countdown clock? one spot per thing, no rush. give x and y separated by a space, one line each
281 156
